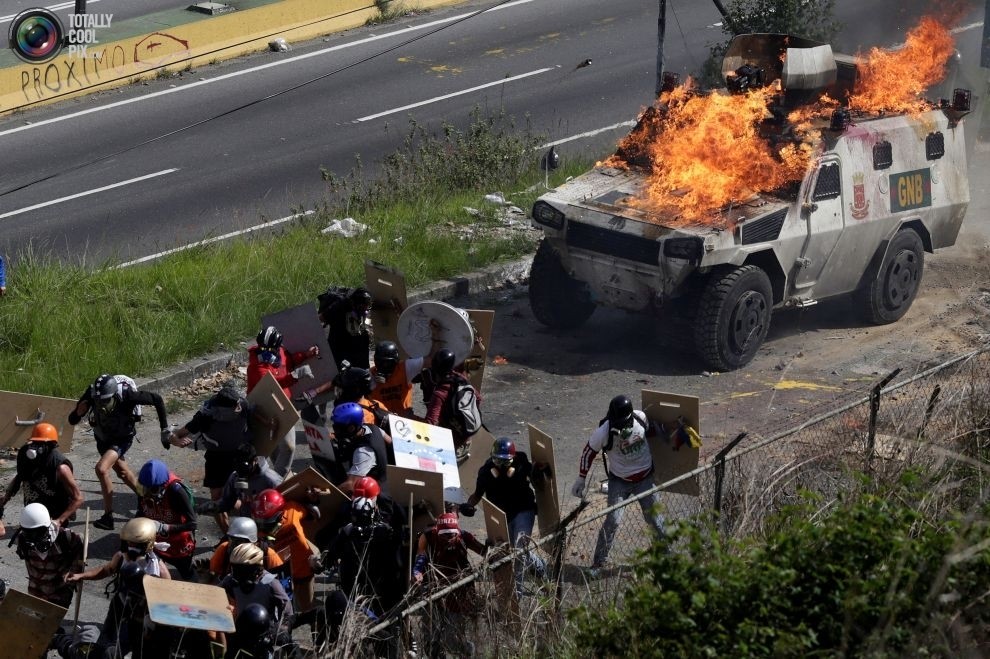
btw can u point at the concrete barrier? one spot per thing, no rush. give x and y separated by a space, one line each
141 48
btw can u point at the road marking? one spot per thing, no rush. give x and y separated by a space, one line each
590 133
261 67
58 7
88 192
215 239
436 99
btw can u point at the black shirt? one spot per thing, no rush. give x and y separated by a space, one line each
118 424
510 489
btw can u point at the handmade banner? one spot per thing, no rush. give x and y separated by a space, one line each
187 604
419 445
673 456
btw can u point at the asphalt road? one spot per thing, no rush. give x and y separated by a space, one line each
102 180
121 9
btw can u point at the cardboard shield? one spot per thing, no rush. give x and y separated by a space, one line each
482 320
419 445
547 499
497 527
318 439
670 462
301 328
330 500
27 624
481 448
410 488
273 404
385 285
188 605
19 412
455 334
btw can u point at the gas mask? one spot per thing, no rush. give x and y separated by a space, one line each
134 552
266 356
38 539
246 576
269 527
245 468
106 405
156 494
31 458
621 433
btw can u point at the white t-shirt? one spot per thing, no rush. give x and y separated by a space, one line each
629 455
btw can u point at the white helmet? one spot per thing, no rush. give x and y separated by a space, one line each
243 528
35 516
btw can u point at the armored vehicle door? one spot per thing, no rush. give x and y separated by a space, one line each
822 213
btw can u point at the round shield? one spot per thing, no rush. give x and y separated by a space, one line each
455 331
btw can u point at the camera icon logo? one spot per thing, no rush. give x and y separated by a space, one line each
36 35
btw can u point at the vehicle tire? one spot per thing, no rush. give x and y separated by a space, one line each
558 300
890 287
733 317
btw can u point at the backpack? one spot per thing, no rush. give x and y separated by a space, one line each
462 408
126 382
330 298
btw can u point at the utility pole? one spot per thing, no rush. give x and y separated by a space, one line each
661 28
80 6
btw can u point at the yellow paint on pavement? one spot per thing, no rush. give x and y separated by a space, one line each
787 385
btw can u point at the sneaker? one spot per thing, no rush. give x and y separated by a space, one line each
105 522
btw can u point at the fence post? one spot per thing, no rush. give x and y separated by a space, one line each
874 412
720 471
559 550
929 410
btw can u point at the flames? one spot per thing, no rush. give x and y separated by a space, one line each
708 152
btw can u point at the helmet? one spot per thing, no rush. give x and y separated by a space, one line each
448 524
386 357
503 451
104 388
243 528
253 621
247 554
620 412
266 509
44 432
360 297
347 414
367 487
353 382
363 512
35 516
131 575
228 396
153 474
443 361
139 531
244 461
269 338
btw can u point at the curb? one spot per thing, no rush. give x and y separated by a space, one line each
488 278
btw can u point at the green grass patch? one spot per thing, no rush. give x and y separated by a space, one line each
62 325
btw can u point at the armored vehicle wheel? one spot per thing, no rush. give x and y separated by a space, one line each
890 288
557 299
733 317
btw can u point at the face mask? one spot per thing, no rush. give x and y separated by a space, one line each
245 468
39 540
34 449
135 553
246 576
624 433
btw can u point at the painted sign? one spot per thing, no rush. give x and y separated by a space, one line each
909 190
419 445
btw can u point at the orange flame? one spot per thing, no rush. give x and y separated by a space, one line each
705 152
894 81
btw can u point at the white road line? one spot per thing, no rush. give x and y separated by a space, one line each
262 67
58 7
215 239
436 99
88 192
590 133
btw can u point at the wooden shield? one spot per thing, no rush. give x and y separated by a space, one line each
272 403
28 623
301 329
331 499
669 463
547 499
187 604
19 412
497 527
483 320
481 448
385 284
409 487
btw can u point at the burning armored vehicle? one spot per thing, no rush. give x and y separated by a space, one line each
719 208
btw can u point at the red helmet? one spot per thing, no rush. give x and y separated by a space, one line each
267 504
366 486
448 524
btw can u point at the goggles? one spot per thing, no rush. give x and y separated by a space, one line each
502 462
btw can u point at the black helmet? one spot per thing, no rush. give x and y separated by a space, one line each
386 357
360 297
269 338
131 574
354 382
254 621
443 361
503 451
104 388
620 412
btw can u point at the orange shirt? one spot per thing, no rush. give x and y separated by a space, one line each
291 537
395 392
220 561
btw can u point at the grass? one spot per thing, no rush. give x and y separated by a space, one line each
61 325
387 11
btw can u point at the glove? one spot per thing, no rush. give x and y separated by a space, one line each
163 528
166 436
467 509
316 563
304 371
578 488
380 379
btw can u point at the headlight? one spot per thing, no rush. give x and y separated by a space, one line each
547 215
690 249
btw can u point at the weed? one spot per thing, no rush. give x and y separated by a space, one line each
387 11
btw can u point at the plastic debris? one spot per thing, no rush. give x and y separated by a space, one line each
279 45
345 228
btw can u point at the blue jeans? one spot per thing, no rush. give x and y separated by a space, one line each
620 490
520 530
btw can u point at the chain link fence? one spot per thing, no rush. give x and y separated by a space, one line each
936 417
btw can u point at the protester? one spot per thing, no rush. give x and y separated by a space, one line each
349 333
359 450
622 436
165 499
242 530
250 584
48 552
392 376
505 480
440 382
252 474
45 476
268 356
110 407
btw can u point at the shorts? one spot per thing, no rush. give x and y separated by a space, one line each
121 447
219 466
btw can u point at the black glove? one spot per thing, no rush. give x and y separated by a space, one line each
467 509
